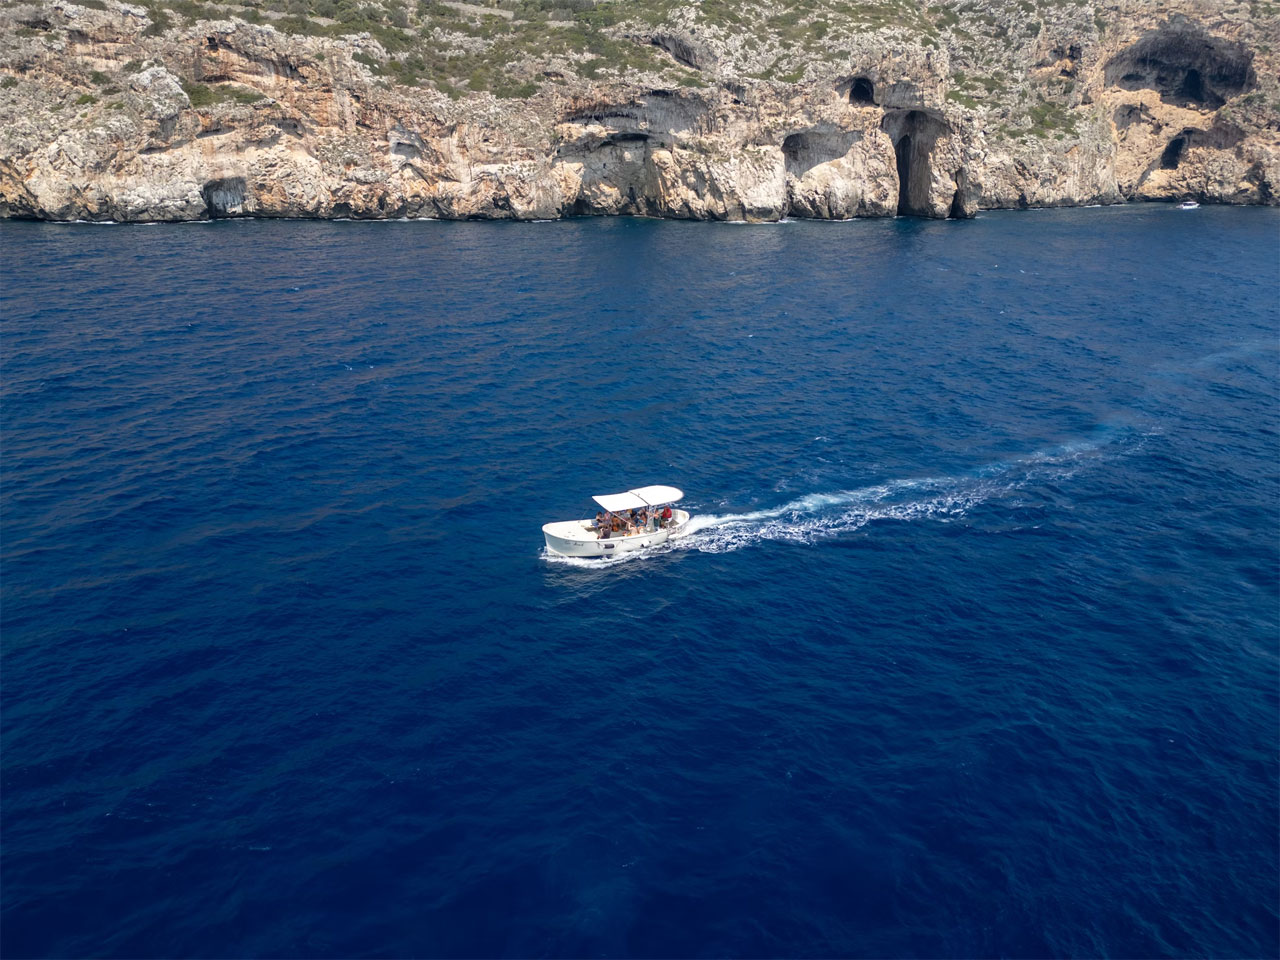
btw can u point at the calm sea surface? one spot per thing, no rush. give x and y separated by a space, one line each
973 651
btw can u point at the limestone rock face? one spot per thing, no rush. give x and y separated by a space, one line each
107 115
836 174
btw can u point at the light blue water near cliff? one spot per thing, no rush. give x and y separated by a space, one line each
973 651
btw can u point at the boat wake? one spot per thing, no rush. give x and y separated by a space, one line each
820 516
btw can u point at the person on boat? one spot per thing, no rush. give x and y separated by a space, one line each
601 526
666 514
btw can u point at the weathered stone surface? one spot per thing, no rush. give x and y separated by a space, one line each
96 123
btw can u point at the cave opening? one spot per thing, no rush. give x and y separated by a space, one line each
805 150
1193 87
862 91
902 154
1173 153
1184 64
793 146
224 198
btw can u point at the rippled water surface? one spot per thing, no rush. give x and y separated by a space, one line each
972 651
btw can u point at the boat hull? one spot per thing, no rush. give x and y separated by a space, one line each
575 538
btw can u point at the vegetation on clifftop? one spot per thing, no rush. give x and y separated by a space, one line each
997 55
516 48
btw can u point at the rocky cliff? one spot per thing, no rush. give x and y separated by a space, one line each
718 109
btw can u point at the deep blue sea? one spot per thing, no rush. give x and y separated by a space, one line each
974 649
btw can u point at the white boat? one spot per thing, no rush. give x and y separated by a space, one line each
581 538
1188 205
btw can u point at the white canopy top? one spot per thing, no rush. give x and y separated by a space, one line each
639 497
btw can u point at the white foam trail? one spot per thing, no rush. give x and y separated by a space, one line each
822 515
818 516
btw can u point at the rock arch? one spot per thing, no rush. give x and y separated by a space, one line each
915 133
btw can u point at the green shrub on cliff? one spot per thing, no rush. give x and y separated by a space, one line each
1047 116
201 95
160 22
